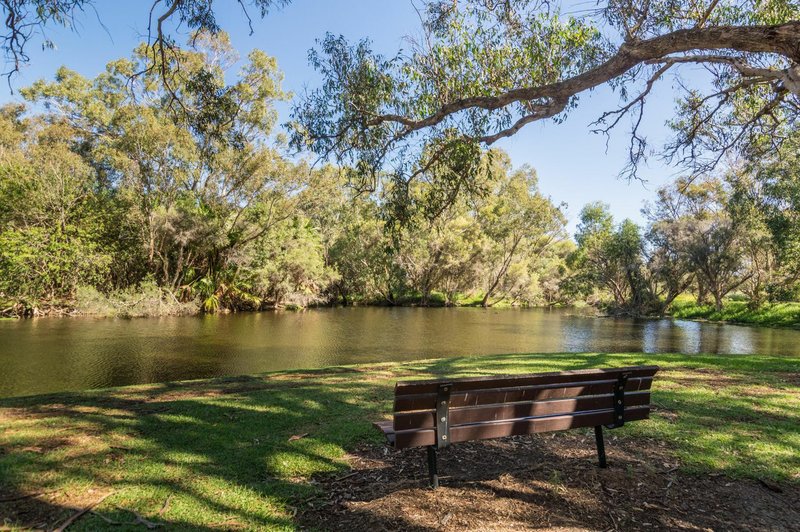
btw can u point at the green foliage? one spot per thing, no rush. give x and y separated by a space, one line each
145 300
165 169
712 235
51 238
611 257
521 228
481 71
150 211
286 266
469 54
36 265
362 255
110 185
195 181
766 315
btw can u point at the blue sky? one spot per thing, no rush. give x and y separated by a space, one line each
573 164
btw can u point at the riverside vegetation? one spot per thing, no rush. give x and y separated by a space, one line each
164 185
113 204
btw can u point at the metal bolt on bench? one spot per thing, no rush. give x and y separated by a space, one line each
435 414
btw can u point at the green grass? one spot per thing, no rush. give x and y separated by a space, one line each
768 315
220 450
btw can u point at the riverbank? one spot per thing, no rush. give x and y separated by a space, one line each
157 305
271 451
767 315
151 301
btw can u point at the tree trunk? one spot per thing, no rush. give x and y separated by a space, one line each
718 301
426 297
485 300
702 293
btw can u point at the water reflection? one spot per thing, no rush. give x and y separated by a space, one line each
48 355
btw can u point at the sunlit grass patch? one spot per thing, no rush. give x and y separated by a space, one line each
244 452
768 314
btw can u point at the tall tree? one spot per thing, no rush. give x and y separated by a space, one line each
439 253
768 191
202 183
611 257
52 232
519 225
484 70
695 217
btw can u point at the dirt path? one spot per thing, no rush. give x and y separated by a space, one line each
546 482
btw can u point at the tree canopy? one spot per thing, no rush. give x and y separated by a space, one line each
483 70
166 174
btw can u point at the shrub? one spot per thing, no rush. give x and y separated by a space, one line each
146 299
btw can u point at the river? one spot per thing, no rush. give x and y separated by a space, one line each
60 354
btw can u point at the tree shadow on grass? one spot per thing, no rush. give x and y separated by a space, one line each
229 454
545 481
252 452
727 431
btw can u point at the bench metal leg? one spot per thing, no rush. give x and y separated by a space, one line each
601 447
432 470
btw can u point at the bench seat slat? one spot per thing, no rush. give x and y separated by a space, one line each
482 431
497 412
508 381
539 392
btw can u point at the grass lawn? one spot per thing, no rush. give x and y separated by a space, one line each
246 452
769 314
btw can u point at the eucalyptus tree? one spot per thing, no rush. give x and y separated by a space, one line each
696 219
759 248
363 257
611 257
53 235
552 275
439 252
590 262
519 225
767 189
287 265
200 183
483 70
668 271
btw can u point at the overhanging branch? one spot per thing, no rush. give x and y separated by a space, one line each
782 39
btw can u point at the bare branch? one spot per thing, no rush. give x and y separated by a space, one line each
543 111
743 68
707 13
639 100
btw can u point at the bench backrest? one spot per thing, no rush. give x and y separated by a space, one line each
492 407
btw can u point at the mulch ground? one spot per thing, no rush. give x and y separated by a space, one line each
545 482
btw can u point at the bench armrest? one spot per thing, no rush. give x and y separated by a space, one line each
387 427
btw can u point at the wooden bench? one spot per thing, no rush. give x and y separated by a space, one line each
437 413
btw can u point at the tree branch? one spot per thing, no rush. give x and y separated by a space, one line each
782 39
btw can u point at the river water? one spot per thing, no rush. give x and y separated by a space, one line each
59 354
